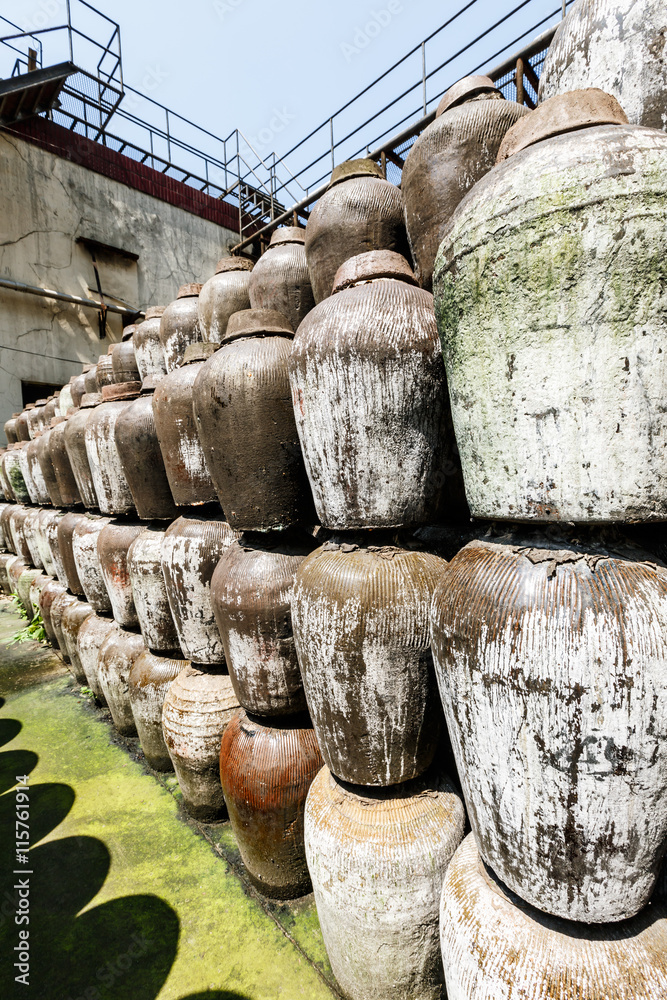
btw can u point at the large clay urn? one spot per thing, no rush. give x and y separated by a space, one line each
123 360
15 570
551 656
197 708
191 550
36 587
51 535
141 458
6 558
448 158
65 399
359 211
75 443
118 653
496 946
109 479
87 560
60 603
11 465
47 517
227 292
377 860
618 46
5 520
35 418
35 470
251 590
62 465
144 565
567 233
24 466
150 678
16 520
89 641
179 325
65 530
182 453
370 401
113 543
245 419
266 769
23 588
47 596
360 615
280 280
74 615
10 429
22 430
6 488
148 349
104 369
30 533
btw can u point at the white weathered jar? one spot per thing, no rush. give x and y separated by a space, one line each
86 557
144 566
225 293
109 479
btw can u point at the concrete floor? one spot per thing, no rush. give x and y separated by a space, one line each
129 899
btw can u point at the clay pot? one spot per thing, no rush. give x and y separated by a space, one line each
5 521
62 466
362 634
536 443
43 544
46 465
360 211
184 462
370 401
227 292
551 658
51 409
65 400
104 370
6 558
14 571
148 684
448 158
377 861
123 362
197 708
251 590
144 565
24 466
74 616
280 279
78 389
6 488
51 534
23 585
266 770
111 487
22 431
10 429
16 519
65 530
36 587
113 543
58 606
12 469
5 508
118 653
35 470
242 404
179 325
495 945
30 533
87 560
141 460
35 418
92 634
191 550
75 444
148 349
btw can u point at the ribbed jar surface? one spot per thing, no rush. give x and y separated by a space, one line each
444 162
280 281
362 634
65 530
182 453
118 653
124 363
142 462
179 326
36 474
243 407
377 865
74 616
6 558
91 635
144 565
191 550
109 480
87 560
352 217
148 349
371 407
51 534
12 468
58 606
24 466
16 521
148 683
46 465
75 443
46 518
569 234
221 296
113 543
47 596
30 533
67 487
197 708
551 656
251 590
104 371
496 947
266 769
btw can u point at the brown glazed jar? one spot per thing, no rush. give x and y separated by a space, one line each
113 543
90 383
62 466
123 362
24 466
51 409
65 530
30 533
141 459
243 407
12 468
22 431
266 770
5 520
10 429
75 443
91 635
35 418
46 517
78 389
179 325
359 211
16 519
47 596
184 462
14 571
371 403
87 560
148 349
46 465
148 683
448 158
251 590
118 653
50 526
225 293
104 370
362 632
74 616
36 474
280 279
144 565
111 486
197 708
58 607
191 550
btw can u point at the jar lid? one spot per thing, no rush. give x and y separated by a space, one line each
371 265
568 112
463 90
29 406
188 291
153 312
287 234
256 321
90 399
233 264
120 390
200 351
41 402
355 168
128 332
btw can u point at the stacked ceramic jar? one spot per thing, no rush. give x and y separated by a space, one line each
549 633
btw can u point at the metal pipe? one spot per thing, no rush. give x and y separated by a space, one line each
50 293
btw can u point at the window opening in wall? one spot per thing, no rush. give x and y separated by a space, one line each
32 391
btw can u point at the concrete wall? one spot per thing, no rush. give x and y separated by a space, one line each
46 202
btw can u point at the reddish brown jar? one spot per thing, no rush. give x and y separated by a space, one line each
225 293
117 655
150 678
280 280
141 459
179 325
113 543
